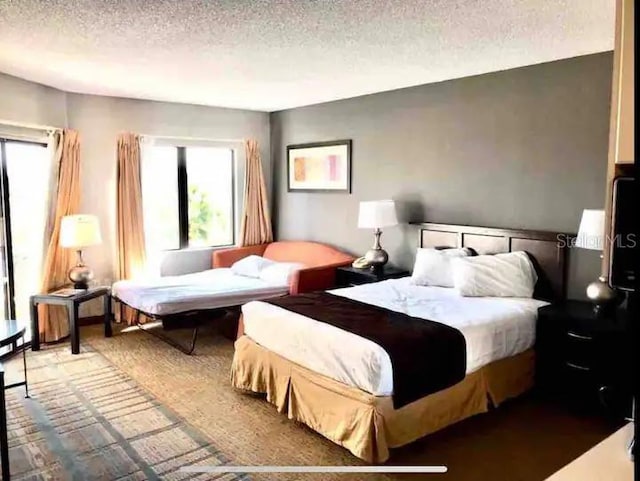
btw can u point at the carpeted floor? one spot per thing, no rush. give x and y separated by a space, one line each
524 440
87 420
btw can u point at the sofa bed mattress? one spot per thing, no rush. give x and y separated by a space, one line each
210 289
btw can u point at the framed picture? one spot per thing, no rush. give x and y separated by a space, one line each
319 167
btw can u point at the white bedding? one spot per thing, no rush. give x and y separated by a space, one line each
494 328
209 289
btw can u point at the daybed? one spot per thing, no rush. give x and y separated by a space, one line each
178 299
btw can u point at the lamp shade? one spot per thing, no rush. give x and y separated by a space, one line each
591 231
80 231
376 214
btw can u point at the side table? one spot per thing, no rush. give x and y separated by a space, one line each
72 303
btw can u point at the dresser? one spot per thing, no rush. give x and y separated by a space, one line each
584 359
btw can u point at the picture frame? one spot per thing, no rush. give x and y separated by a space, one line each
319 167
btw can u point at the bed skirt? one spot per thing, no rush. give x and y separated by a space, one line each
368 425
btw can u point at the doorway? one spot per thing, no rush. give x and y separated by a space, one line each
25 173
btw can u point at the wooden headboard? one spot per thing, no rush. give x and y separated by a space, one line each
547 249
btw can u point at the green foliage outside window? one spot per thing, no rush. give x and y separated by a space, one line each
200 214
203 217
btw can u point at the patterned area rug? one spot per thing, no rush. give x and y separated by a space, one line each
87 420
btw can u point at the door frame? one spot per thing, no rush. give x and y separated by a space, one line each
9 286
5 231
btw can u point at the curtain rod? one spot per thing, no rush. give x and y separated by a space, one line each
180 137
26 125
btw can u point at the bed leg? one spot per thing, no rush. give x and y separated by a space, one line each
194 338
187 350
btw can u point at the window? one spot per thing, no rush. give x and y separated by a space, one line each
188 197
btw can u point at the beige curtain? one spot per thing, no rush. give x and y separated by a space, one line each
65 146
131 245
130 225
256 221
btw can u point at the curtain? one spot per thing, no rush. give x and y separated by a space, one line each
153 215
131 246
130 222
65 147
256 221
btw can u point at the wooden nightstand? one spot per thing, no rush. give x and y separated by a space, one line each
351 276
584 359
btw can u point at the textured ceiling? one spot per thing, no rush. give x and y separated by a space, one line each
275 54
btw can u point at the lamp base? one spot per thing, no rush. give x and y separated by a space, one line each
80 285
376 258
80 274
602 296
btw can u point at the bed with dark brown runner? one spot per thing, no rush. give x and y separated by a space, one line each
427 356
430 389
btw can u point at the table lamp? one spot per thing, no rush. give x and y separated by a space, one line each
375 215
77 232
591 236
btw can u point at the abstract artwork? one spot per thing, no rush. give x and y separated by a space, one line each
319 167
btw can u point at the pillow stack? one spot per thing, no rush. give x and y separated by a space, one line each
433 266
501 275
250 266
280 272
269 271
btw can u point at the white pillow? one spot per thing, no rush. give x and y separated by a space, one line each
280 272
499 275
433 267
251 266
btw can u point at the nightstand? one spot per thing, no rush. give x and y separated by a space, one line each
72 303
582 358
352 276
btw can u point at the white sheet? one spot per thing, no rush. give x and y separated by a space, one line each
494 328
202 290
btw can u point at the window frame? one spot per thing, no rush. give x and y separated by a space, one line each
183 202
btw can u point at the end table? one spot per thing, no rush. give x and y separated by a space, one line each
72 303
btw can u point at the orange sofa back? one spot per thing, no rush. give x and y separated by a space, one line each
311 254
320 262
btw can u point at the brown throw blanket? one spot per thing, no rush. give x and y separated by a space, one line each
426 356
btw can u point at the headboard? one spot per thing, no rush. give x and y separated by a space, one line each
547 249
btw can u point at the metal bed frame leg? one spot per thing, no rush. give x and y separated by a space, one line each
187 350
194 338
136 320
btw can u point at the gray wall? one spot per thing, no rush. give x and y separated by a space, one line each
100 119
27 102
523 148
